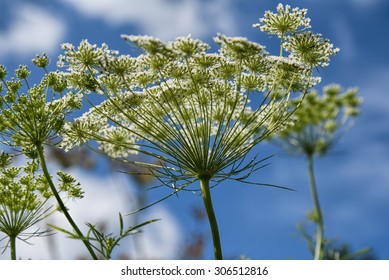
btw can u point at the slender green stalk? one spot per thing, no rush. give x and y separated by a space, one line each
318 254
61 204
206 194
12 243
281 47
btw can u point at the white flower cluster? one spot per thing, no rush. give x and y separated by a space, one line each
285 21
320 119
310 48
291 25
184 105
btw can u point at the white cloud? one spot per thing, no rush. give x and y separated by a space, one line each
165 19
162 239
32 30
104 198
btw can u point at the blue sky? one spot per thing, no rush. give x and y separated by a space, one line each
258 222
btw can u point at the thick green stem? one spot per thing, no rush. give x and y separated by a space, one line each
318 254
61 204
12 244
206 194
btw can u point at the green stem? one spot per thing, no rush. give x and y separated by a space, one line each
61 204
318 254
206 194
281 47
12 243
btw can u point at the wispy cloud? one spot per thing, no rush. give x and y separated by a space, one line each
32 30
165 19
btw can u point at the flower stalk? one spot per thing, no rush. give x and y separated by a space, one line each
318 217
206 194
12 245
60 202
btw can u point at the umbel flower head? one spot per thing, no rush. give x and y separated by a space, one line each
199 112
187 107
23 197
292 27
285 21
32 115
320 120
